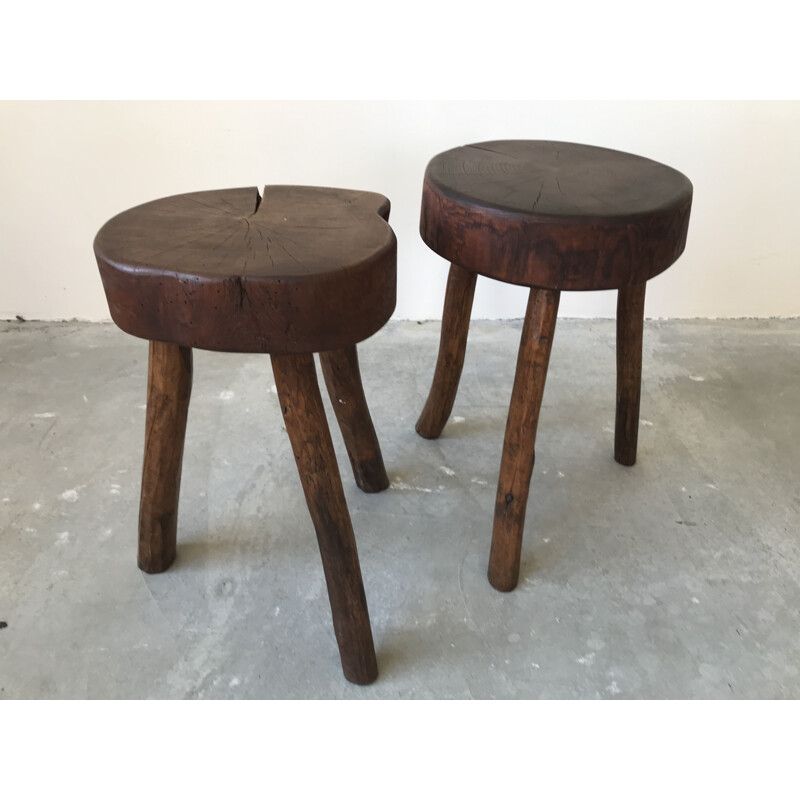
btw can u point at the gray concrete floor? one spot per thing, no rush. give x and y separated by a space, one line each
677 578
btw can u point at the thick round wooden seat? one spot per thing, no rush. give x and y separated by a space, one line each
301 269
296 271
552 216
555 215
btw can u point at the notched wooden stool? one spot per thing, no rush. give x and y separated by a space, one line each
552 216
299 271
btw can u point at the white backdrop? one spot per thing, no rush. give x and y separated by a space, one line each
66 167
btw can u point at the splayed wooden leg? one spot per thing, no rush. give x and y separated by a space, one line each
169 387
516 467
452 346
343 379
630 328
304 415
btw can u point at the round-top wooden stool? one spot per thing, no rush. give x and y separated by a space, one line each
552 216
301 270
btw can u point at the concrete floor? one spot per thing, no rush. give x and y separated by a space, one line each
677 578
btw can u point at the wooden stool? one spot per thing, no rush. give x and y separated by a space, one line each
551 216
302 270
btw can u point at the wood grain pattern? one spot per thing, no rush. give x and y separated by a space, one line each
169 387
452 347
301 269
304 415
343 379
554 214
516 467
630 328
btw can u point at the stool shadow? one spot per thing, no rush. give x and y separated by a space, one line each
191 554
394 660
235 547
403 652
477 424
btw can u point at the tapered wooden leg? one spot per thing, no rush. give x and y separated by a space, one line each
452 346
343 379
169 386
630 325
516 467
304 415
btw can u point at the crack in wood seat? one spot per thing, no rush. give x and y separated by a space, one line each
302 269
551 216
297 271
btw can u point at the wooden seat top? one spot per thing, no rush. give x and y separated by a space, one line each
554 214
299 269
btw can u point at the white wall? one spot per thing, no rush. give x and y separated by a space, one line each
66 167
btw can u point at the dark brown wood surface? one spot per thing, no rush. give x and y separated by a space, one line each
343 379
630 330
516 467
304 415
554 214
452 347
301 269
169 386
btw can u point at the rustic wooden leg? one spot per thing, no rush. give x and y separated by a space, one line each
516 467
169 386
630 325
343 379
304 415
452 345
